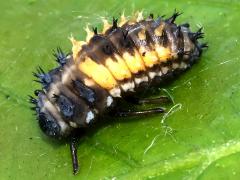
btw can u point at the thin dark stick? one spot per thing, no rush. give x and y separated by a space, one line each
159 100
137 113
73 150
140 101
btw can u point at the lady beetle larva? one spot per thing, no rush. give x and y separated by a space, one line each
121 61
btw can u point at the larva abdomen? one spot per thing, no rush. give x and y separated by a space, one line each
122 60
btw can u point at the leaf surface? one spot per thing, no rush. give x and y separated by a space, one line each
200 137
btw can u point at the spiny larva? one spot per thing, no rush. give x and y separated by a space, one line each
117 63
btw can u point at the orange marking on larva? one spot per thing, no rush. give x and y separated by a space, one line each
118 68
163 53
106 25
139 16
98 73
159 30
76 46
90 34
89 82
135 62
123 20
150 58
142 35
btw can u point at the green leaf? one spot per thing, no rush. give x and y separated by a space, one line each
200 137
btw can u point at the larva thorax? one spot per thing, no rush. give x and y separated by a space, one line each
124 58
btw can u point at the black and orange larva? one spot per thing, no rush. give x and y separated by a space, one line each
124 59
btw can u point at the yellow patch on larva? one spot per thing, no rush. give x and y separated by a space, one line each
159 30
163 53
118 68
90 34
149 57
98 73
139 16
76 47
123 20
106 25
135 62
142 35
132 22
89 82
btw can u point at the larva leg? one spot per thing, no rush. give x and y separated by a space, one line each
140 101
138 113
73 149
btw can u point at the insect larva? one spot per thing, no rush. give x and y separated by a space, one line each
118 63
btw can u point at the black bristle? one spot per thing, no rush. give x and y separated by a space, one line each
33 108
126 41
37 81
36 92
60 56
125 34
197 35
204 45
43 78
162 16
95 30
186 25
173 17
114 23
32 100
35 74
55 96
40 70
151 16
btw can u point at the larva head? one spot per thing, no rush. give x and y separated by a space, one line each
59 118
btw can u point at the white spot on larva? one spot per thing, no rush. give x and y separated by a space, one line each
67 74
64 126
69 57
183 65
73 124
65 77
142 79
109 101
89 82
165 70
47 105
137 80
90 117
159 73
58 108
175 65
129 86
152 74
115 92
54 89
